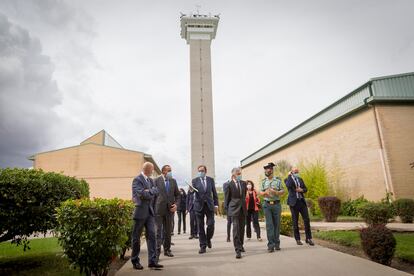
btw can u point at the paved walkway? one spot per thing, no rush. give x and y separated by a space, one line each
291 260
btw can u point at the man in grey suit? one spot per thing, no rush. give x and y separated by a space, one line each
165 205
235 200
143 194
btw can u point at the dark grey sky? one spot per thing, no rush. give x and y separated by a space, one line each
71 68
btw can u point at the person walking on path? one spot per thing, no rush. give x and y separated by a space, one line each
182 211
271 189
235 196
191 211
253 207
166 204
225 187
297 203
143 194
205 205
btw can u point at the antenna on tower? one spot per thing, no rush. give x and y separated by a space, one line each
198 9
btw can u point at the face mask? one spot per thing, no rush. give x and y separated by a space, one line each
201 174
249 187
239 177
168 175
296 175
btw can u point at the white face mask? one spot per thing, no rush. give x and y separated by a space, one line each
249 187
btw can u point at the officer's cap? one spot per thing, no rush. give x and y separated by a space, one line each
269 166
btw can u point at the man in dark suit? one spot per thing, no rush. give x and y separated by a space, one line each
205 205
165 205
190 210
235 200
297 203
143 194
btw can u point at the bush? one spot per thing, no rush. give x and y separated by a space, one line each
330 207
378 243
404 208
315 177
28 199
376 213
350 207
94 232
286 224
311 206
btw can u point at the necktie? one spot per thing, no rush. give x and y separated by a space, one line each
298 195
167 185
204 183
238 187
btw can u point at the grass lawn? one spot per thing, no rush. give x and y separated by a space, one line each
339 219
405 242
44 258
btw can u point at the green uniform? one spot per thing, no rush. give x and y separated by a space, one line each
272 211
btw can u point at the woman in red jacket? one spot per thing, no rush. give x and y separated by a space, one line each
253 206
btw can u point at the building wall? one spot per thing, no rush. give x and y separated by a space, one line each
109 171
351 144
98 138
397 124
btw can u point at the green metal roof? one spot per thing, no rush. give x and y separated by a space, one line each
383 89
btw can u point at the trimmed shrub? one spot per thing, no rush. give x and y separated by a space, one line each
376 213
94 232
28 199
404 208
286 224
350 207
378 244
330 207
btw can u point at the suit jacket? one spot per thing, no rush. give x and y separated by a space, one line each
206 195
190 201
143 194
182 206
164 200
291 186
235 199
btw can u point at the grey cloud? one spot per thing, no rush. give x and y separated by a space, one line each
28 95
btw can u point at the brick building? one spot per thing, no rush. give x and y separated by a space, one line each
368 134
101 161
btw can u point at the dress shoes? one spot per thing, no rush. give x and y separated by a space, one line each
155 266
168 254
310 242
137 266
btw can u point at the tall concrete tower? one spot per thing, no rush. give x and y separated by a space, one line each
198 30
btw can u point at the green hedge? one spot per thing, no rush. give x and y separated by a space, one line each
376 213
94 232
28 199
404 208
351 206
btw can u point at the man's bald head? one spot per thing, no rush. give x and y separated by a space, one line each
295 170
148 168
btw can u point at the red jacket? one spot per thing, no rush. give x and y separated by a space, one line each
255 198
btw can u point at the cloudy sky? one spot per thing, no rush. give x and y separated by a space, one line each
71 68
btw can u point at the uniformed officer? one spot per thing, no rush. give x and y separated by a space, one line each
271 189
